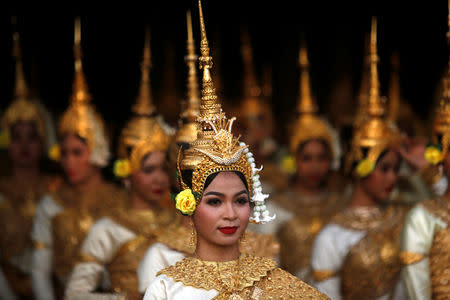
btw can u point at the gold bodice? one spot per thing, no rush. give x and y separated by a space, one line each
372 266
71 226
249 277
16 217
440 249
147 224
299 233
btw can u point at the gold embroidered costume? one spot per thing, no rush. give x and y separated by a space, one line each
216 150
426 233
356 255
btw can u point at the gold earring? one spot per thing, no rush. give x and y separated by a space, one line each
242 238
192 239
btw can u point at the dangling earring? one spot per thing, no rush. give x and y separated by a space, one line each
242 238
192 239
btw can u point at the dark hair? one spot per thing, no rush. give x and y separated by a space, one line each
187 178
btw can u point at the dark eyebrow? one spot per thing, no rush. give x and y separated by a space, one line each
241 192
222 195
214 193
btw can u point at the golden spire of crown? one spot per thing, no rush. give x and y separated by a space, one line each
306 104
394 89
22 108
442 121
250 85
209 107
80 92
375 104
187 131
144 104
193 95
20 88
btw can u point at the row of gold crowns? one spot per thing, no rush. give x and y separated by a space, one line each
442 121
306 103
187 131
210 108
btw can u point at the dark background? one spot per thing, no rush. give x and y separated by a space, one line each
112 41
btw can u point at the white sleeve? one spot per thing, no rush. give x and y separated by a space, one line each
41 269
101 244
156 290
417 238
41 259
6 293
282 216
157 257
330 248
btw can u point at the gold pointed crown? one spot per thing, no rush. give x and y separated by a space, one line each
363 94
81 118
22 108
375 134
143 133
308 125
215 149
441 130
187 131
253 104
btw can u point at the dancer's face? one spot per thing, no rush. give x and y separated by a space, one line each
223 212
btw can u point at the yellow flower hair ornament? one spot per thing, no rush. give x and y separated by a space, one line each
288 164
4 138
433 154
122 168
186 201
365 167
54 153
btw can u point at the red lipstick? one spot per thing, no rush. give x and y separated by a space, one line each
228 230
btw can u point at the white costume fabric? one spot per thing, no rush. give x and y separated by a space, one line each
417 237
41 259
330 249
102 243
163 287
157 258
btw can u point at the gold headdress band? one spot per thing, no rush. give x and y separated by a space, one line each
187 131
143 133
216 149
22 108
374 134
81 118
441 130
308 125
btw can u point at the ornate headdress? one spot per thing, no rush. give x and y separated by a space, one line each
441 129
374 135
22 108
253 104
363 94
144 132
308 125
81 118
216 149
187 132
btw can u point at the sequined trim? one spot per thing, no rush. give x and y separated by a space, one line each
39 245
409 258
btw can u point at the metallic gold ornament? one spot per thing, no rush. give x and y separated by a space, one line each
22 108
375 133
144 133
81 118
308 125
